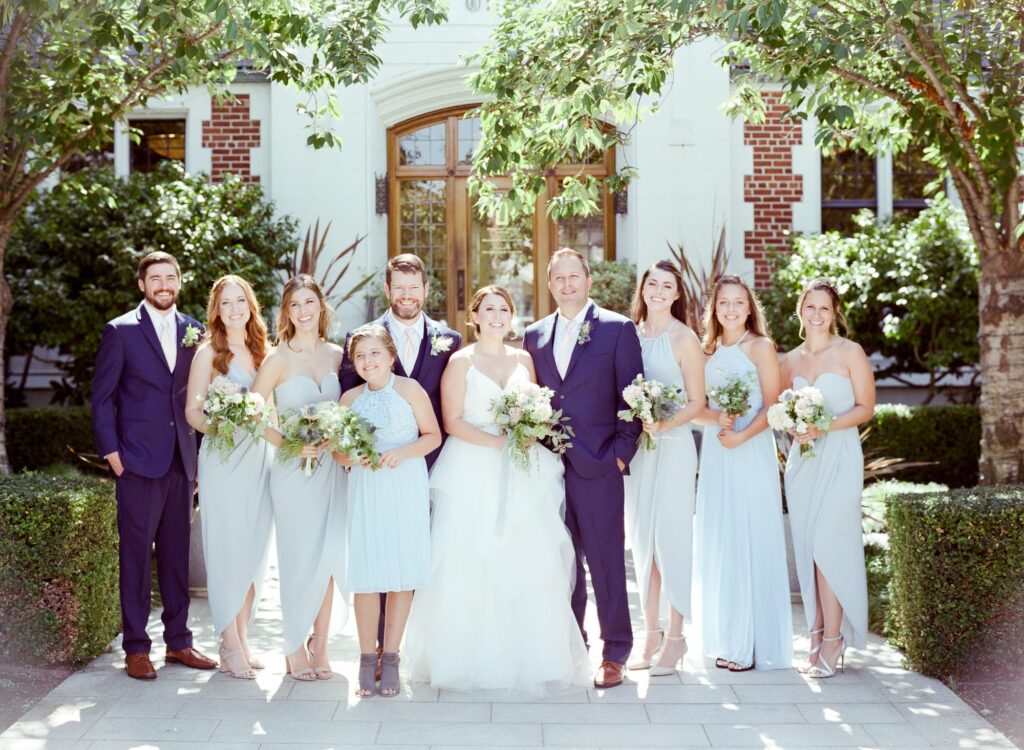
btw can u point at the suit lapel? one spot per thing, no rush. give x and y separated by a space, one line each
577 351
399 370
149 333
546 344
421 355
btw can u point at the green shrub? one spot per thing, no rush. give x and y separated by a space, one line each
948 435
37 438
58 568
909 287
80 243
614 284
957 563
876 558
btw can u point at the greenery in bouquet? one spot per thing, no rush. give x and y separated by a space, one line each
350 433
733 396
300 429
230 407
650 401
525 415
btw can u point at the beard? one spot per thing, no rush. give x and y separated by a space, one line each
162 304
407 312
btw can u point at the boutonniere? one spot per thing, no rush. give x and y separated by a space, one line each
191 337
440 344
584 334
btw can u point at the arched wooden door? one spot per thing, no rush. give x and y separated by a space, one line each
431 214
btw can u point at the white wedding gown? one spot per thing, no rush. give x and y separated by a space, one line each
496 614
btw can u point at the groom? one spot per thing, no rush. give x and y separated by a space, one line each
587 356
138 417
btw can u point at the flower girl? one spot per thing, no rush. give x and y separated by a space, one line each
388 505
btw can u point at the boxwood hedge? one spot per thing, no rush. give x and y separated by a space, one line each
957 589
948 435
58 568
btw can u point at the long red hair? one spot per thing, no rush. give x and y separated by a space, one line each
255 327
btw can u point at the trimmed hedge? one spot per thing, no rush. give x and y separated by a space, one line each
58 568
957 588
37 438
950 435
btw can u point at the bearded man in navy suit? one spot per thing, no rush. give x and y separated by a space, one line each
138 416
588 355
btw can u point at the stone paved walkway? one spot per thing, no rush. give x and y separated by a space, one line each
875 703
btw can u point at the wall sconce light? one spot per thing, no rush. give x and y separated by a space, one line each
622 202
382 194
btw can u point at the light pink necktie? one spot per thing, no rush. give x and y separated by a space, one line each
409 352
565 345
167 341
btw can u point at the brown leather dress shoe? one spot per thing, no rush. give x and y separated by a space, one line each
609 674
191 658
139 667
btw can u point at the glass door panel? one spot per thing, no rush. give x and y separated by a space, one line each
423 230
503 254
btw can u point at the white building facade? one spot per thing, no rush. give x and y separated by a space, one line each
400 178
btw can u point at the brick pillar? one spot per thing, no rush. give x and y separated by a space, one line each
772 188
230 135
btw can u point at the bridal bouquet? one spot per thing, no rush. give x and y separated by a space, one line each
524 415
734 395
799 411
229 407
348 432
650 402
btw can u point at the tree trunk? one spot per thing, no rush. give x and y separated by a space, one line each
1001 340
6 303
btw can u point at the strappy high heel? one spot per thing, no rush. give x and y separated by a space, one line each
646 662
253 661
367 678
322 673
235 664
389 683
305 674
823 669
804 669
663 670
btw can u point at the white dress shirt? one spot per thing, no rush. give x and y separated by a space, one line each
408 338
567 332
166 326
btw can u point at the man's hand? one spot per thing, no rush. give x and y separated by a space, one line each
115 463
621 464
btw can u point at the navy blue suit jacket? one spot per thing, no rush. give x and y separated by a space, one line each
427 371
138 404
591 392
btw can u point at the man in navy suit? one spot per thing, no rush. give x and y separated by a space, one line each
424 348
138 416
587 356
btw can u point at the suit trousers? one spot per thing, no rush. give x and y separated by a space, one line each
595 518
154 511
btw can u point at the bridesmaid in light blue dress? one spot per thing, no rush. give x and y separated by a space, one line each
824 491
661 486
233 489
309 511
740 560
388 504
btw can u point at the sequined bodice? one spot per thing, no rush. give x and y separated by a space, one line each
390 414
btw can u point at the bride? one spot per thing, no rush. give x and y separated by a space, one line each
496 615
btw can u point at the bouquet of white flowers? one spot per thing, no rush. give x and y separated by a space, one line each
650 402
348 432
524 415
230 407
799 411
733 397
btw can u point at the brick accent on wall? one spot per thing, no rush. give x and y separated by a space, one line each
230 135
772 188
